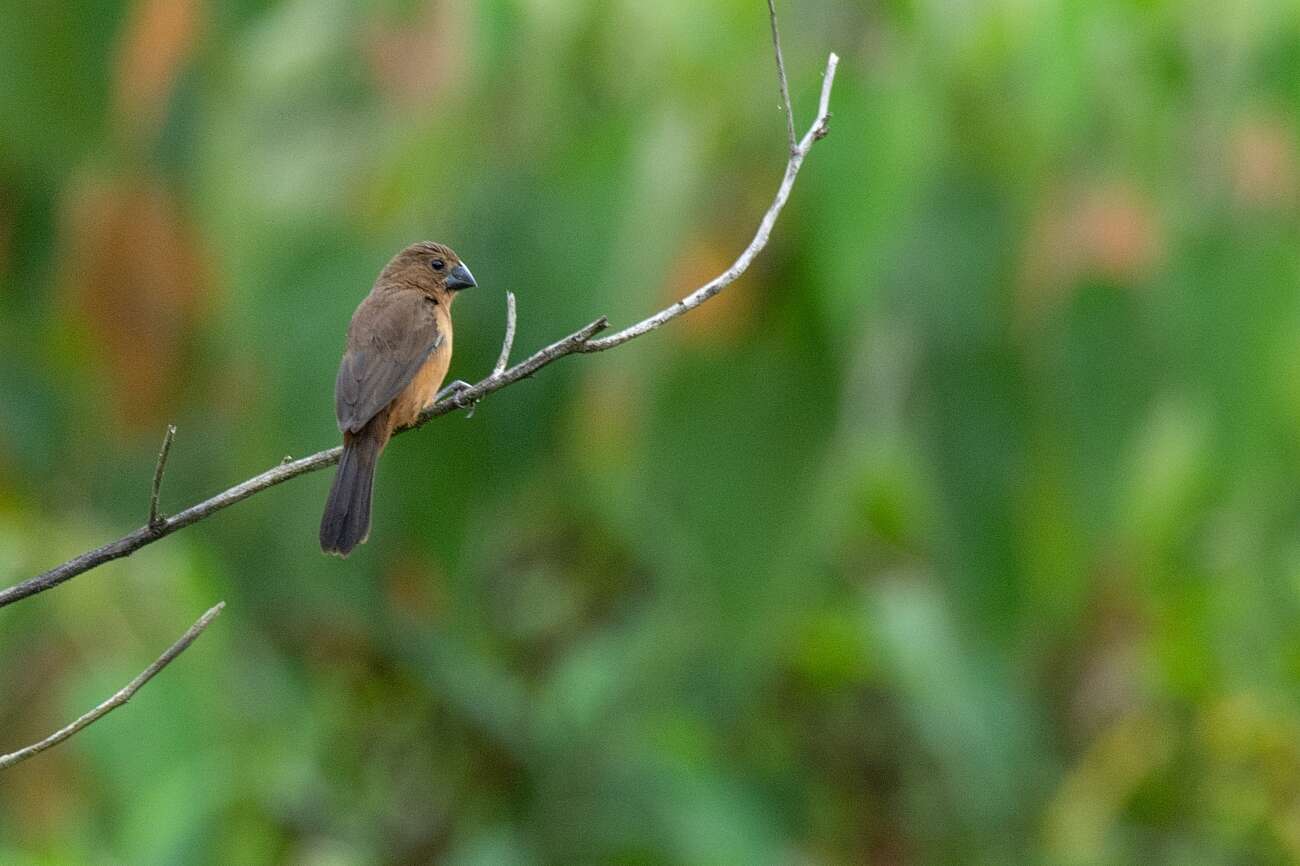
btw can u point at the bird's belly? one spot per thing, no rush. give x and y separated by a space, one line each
420 393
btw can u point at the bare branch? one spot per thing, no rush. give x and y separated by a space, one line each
128 544
121 697
815 133
579 341
509 341
780 74
158 473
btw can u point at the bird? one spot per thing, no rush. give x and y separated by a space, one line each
397 354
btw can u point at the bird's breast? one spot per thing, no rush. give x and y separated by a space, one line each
406 407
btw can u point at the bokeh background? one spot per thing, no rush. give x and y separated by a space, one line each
964 529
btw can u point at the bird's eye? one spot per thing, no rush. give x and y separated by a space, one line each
437 264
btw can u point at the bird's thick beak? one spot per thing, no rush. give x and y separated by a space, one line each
460 278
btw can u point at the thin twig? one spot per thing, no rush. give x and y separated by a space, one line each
121 697
509 341
158 473
579 341
815 133
780 74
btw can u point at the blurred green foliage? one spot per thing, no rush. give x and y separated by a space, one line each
964 529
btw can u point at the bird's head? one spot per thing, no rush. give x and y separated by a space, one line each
431 267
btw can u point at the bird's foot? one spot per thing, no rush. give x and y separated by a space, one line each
456 387
454 391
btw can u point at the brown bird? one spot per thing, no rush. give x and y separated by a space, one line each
398 351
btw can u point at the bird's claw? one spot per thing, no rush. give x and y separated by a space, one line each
454 391
457 387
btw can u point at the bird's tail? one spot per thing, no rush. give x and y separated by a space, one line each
346 522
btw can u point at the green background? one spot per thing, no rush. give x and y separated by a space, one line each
963 529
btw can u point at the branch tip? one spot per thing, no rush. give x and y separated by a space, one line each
508 343
154 518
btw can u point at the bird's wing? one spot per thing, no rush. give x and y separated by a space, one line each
391 336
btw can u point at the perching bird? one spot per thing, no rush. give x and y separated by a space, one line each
398 351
